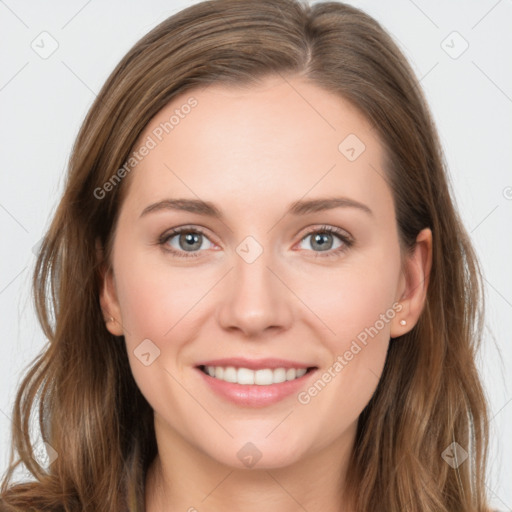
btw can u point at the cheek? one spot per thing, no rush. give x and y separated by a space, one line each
163 304
352 300
358 305
154 304
155 297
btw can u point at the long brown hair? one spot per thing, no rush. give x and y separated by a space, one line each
90 409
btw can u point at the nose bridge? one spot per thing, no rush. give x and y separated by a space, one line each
253 281
251 273
255 298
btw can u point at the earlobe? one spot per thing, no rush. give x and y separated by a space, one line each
416 276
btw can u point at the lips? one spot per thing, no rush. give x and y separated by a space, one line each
255 395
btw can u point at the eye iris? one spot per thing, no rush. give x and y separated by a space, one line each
191 240
317 239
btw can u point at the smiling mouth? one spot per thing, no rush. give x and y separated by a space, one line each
262 377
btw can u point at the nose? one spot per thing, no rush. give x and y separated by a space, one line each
255 298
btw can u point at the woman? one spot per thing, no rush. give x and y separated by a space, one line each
257 290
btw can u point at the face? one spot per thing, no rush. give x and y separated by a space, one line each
278 280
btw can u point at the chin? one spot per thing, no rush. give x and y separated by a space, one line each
257 454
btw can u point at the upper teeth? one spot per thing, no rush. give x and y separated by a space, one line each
263 377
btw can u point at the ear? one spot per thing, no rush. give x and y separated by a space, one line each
108 295
413 285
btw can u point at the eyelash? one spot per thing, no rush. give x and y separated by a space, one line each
333 253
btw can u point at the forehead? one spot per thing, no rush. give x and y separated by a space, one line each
274 142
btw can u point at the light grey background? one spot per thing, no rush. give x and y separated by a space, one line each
44 100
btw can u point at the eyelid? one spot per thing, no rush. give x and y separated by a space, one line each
346 239
171 233
178 229
329 229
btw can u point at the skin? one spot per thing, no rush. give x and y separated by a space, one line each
252 151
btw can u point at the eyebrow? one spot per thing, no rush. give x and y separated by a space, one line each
301 207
